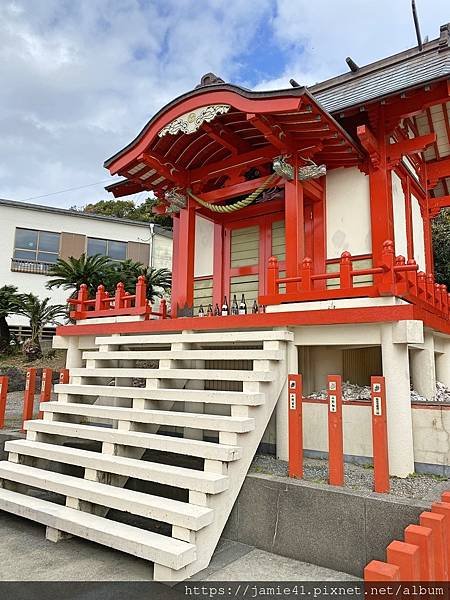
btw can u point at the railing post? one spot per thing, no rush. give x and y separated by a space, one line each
3 396
406 557
345 271
82 297
401 285
377 570
305 273
118 297
64 376
163 308
422 285
379 435
28 400
99 296
388 260
437 296
46 388
272 276
443 508
444 299
437 523
411 277
335 433
127 300
295 397
423 538
430 289
141 292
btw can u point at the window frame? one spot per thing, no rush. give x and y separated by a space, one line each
107 241
37 250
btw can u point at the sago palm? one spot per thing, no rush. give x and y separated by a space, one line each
9 302
39 313
159 281
71 273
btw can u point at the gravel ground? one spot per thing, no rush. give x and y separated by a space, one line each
14 409
357 477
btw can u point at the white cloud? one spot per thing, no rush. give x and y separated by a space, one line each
80 79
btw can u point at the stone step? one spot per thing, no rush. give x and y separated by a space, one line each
197 374
181 477
137 439
198 337
225 354
166 510
156 417
164 550
175 395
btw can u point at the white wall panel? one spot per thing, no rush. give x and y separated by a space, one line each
398 202
418 236
204 242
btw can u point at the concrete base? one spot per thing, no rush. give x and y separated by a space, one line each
319 524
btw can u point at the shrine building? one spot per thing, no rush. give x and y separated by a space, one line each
312 204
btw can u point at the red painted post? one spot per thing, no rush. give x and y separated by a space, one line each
335 431
444 299
64 376
118 297
305 273
345 271
401 284
272 276
443 508
387 259
421 285
412 278
99 297
377 570
141 292
423 538
163 308
437 524
28 401
3 396
295 397
406 557
46 388
438 297
379 435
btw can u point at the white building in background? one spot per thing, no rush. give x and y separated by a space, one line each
33 237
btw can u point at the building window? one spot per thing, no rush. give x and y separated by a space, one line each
35 251
115 250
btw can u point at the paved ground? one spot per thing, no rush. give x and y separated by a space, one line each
25 555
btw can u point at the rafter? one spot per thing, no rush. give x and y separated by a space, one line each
164 168
272 132
410 146
226 138
437 170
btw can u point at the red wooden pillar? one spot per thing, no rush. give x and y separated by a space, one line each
295 229
218 260
335 431
381 213
3 396
28 401
379 435
186 252
46 388
295 397
175 261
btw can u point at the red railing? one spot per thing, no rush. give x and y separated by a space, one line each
394 276
121 304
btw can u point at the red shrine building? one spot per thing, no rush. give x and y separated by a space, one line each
314 205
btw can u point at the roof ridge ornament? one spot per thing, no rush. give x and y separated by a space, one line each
305 172
209 79
192 121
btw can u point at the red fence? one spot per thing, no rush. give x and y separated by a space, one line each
423 555
121 304
394 276
335 431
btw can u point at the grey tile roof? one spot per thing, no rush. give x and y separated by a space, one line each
385 77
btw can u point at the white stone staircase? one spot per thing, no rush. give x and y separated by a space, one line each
77 468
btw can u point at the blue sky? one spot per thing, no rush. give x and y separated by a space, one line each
80 78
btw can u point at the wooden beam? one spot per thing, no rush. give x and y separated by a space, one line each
409 146
226 138
237 189
369 143
438 203
272 132
437 170
164 168
222 167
